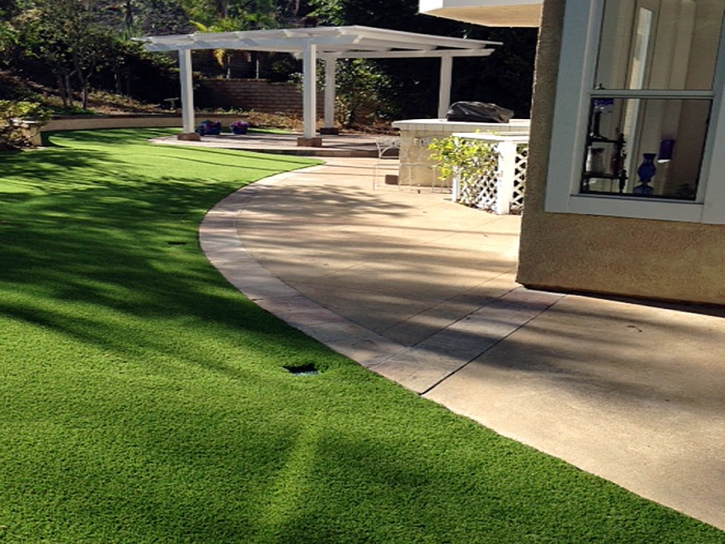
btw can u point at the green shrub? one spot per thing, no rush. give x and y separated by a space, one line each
19 121
463 157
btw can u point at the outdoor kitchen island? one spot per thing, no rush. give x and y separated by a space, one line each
416 167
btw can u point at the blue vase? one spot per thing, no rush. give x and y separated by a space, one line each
647 169
646 172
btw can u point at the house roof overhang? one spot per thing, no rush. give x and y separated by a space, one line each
511 13
331 42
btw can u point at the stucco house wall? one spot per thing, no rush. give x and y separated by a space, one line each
607 255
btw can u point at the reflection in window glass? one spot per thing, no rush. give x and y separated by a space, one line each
666 135
659 44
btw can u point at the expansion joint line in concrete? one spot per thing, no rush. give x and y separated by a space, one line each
487 348
443 354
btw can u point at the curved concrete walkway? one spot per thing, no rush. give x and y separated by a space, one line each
422 291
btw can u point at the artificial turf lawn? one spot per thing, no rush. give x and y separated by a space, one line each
144 400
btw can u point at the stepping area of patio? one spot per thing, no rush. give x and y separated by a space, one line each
422 291
333 145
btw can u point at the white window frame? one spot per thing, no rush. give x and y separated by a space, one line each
575 84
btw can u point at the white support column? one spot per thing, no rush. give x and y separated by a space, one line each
444 91
187 91
456 186
506 177
309 90
330 65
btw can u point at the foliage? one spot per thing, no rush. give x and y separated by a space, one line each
18 122
360 84
15 88
83 51
64 37
8 40
132 71
128 18
466 158
504 78
249 14
406 91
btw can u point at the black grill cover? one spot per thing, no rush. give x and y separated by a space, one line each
478 112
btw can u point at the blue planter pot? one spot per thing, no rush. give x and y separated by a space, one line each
646 172
647 169
209 128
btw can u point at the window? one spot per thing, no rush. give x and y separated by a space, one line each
645 137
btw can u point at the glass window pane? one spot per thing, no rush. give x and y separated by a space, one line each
659 44
624 133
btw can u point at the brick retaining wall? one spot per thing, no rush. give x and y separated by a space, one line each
254 94
92 122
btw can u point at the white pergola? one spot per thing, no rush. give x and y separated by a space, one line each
325 43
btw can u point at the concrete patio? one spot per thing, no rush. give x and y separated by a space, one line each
422 291
333 145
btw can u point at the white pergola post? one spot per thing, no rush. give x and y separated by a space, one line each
187 91
330 66
444 91
309 90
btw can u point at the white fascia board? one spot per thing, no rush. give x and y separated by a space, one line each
507 13
406 54
382 35
428 5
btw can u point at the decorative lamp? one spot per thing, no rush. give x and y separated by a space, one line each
666 149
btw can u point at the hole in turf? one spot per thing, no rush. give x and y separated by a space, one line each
302 370
176 243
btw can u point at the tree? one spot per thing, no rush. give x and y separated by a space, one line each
504 77
65 36
359 85
8 32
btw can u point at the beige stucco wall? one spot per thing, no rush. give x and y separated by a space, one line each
570 252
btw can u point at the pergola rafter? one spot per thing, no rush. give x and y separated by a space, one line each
325 43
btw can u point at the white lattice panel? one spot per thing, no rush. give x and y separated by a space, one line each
479 192
482 191
522 161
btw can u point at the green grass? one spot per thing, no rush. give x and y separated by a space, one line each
143 400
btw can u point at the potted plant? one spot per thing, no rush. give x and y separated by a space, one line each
209 128
239 127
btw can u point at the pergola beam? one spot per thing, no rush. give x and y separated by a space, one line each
433 53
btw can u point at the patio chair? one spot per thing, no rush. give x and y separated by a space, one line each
388 148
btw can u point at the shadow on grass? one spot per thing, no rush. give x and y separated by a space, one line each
102 220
